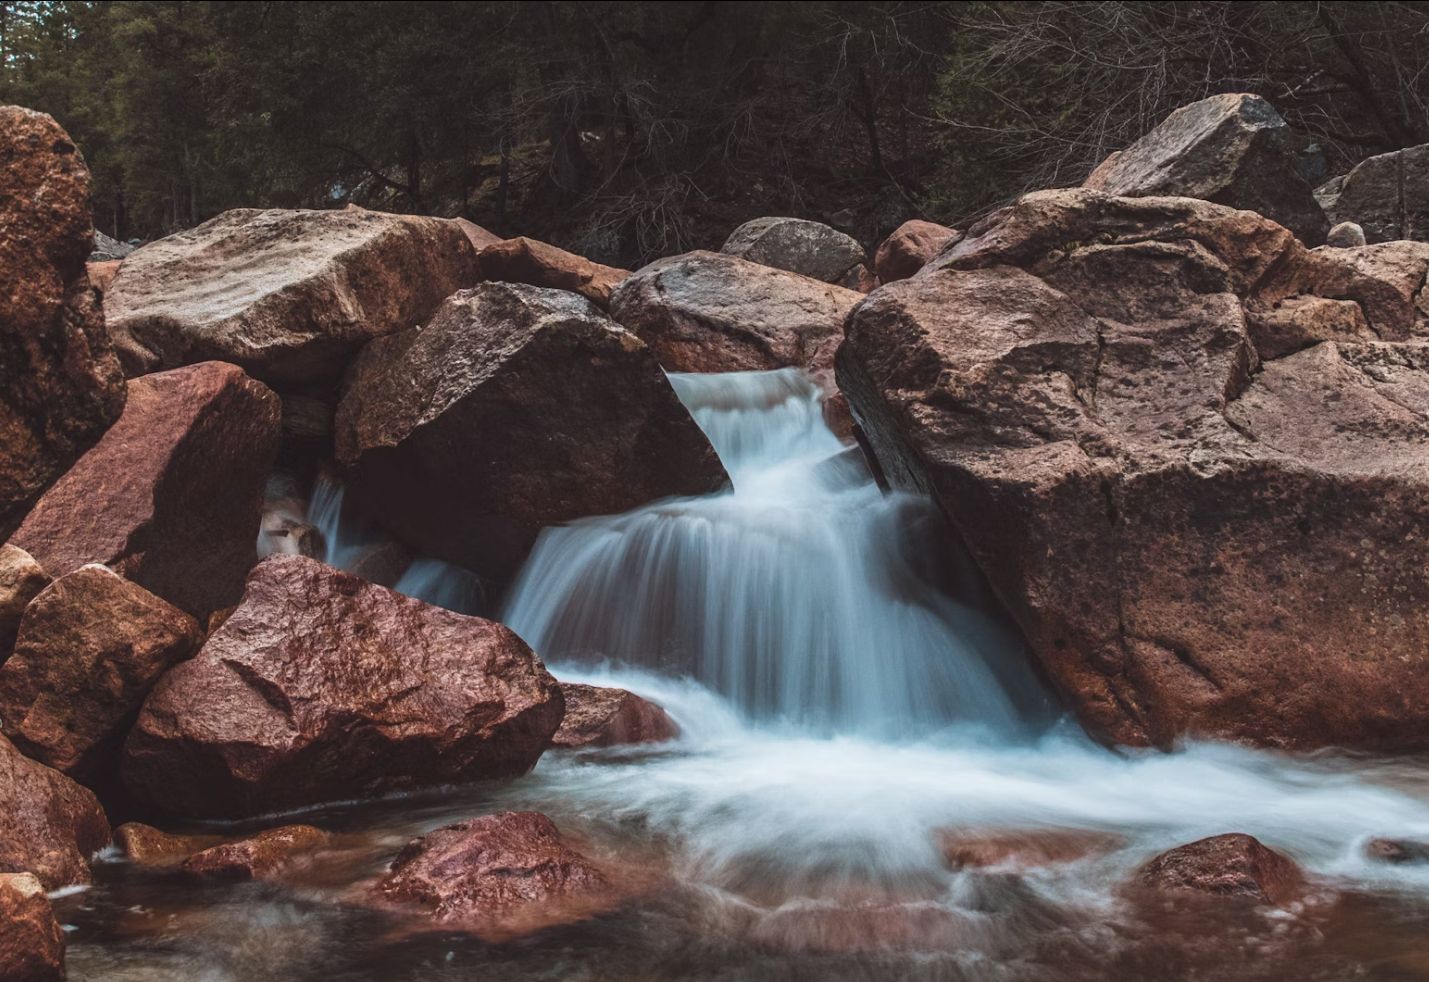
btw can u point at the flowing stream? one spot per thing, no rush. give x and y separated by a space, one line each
849 708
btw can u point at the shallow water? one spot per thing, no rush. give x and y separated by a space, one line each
841 712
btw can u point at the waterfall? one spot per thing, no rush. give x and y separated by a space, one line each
800 595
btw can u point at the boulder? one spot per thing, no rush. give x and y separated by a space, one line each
21 578
808 248
497 876
598 716
32 943
49 825
534 263
321 686
170 497
90 648
515 408
1346 235
1386 195
262 856
708 312
102 274
479 237
1081 384
1230 865
288 295
107 249
60 383
147 846
911 247
1233 149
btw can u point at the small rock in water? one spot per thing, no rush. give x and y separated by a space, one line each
1023 848
147 846
1398 851
32 944
258 857
597 716
1230 865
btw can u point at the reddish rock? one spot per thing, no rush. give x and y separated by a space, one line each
323 687
860 279
514 409
90 648
1398 851
171 496
535 263
288 295
49 825
257 857
1233 149
21 578
597 716
101 274
32 943
479 237
838 416
147 846
708 312
801 246
60 384
1022 848
1078 383
911 247
1230 865
497 876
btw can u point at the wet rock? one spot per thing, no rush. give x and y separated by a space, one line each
599 716
497 876
288 295
1022 848
147 846
1078 383
534 263
911 247
170 497
1398 851
90 648
258 857
798 245
32 943
1386 195
1233 149
838 417
1230 865
708 312
49 825
1345 235
60 383
323 687
515 408
21 578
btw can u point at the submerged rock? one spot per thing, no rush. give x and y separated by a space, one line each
323 687
261 856
1022 848
1398 851
1386 195
514 409
1230 865
798 245
288 295
32 943
1233 149
534 263
598 716
21 578
171 496
49 825
911 247
147 846
60 383
1200 533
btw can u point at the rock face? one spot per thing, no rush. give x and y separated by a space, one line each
708 312
1386 195
534 263
1233 149
32 944
1230 865
597 716
60 384
321 686
288 295
257 857
21 578
810 249
497 875
90 648
49 825
515 408
171 497
1187 452
911 247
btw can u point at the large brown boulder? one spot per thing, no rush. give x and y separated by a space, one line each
1229 865
49 825
801 246
523 260
1233 149
515 408
708 312
600 716
90 648
60 384
911 247
288 295
497 876
32 943
21 579
171 496
1387 195
1198 537
321 686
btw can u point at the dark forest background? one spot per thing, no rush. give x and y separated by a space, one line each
629 130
